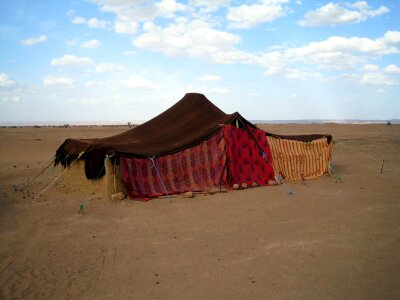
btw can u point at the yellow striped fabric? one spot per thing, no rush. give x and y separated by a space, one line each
297 160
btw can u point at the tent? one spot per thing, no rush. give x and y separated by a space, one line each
192 146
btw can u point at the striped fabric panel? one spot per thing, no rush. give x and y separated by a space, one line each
299 160
199 168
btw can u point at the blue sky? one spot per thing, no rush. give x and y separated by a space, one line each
120 60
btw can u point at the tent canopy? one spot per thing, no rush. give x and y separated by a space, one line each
187 123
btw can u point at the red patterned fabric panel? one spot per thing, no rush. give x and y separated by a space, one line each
199 168
246 163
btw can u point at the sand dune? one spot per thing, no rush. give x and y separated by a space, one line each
326 241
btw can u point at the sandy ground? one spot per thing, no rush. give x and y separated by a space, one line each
326 241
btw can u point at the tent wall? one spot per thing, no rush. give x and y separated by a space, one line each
199 168
249 156
212 165
297 160
107 185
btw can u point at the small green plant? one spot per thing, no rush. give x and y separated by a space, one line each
82 208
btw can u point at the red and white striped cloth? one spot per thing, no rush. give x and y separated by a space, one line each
297 160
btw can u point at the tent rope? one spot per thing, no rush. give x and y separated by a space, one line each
382 162
35 199
361 152
98 175
262 152
159 176
29 182
335 174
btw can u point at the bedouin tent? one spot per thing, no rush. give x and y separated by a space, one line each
194 146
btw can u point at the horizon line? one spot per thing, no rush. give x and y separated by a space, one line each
139 122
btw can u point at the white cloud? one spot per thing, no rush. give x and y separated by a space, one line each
371 75
10 99
32 41
125 27
91 44
96 23
247 16
333 13
354 44
392 69
391 37
137 82
210 5
107 67
92 22
168 8
196 39
292 73
72 61
6 82
377 78
210 78
130 13
78 20
370 67
50 81
333 53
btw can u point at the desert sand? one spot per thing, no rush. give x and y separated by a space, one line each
328 240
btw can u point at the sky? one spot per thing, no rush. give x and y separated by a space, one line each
129 60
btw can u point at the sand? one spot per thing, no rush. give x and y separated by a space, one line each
328 240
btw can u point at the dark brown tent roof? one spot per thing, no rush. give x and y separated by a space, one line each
189 122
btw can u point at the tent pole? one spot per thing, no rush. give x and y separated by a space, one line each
115 171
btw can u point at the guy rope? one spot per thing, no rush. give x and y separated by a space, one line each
278 178
29 182
35 199
159 176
